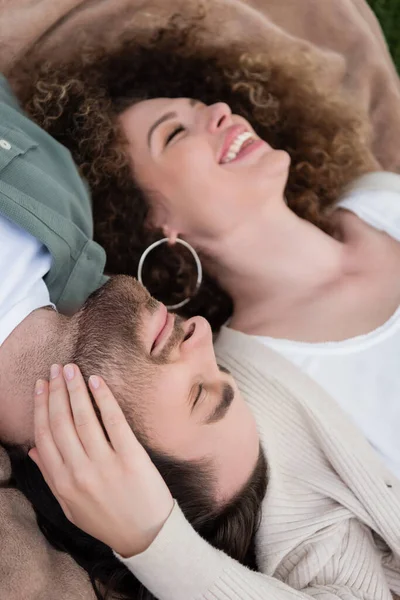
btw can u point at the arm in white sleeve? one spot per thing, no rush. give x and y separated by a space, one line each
180 565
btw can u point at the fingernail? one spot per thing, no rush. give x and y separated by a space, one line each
39 387
54 371
69 372
94 382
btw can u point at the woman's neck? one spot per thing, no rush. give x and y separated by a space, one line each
272 262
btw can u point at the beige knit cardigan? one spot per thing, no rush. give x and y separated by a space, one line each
331 517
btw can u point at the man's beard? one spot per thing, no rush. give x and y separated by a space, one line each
109 327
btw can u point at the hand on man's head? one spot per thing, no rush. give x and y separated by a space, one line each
107 487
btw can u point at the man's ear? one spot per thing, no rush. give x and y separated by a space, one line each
170 233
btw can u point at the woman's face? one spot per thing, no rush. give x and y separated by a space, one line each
203 168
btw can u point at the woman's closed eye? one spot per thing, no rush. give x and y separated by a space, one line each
176 131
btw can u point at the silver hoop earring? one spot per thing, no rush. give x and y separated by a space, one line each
196 260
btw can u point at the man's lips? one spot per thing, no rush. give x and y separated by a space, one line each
163 325
165 322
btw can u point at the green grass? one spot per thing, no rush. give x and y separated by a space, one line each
388 13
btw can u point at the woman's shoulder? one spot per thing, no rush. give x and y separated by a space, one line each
375 198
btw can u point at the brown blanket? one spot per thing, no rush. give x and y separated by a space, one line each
29 568
347 44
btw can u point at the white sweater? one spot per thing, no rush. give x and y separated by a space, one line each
330 523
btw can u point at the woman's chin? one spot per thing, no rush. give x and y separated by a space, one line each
276 161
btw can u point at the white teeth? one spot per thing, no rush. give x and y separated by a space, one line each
236 145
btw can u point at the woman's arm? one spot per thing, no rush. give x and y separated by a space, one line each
180 565
113 491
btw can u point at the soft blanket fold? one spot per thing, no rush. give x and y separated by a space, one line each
30 569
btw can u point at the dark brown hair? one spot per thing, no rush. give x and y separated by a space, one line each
78 103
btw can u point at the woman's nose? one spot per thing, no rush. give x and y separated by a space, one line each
219 116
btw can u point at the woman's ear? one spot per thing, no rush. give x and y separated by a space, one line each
170 233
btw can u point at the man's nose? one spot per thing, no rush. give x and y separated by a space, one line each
201 338
219 116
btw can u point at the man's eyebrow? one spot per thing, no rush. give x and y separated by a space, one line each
166 117
222 407
224 369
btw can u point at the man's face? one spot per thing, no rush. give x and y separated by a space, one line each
177 396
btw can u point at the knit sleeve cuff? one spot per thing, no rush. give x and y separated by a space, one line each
179 564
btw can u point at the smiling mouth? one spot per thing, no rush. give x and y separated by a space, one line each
237 145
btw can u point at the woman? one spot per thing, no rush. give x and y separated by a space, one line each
165 157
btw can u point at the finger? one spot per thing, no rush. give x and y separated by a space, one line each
45 445
61 422
121 436
86 421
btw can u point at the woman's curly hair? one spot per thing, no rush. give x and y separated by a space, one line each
78 103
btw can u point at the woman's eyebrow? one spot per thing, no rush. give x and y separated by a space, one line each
166 117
